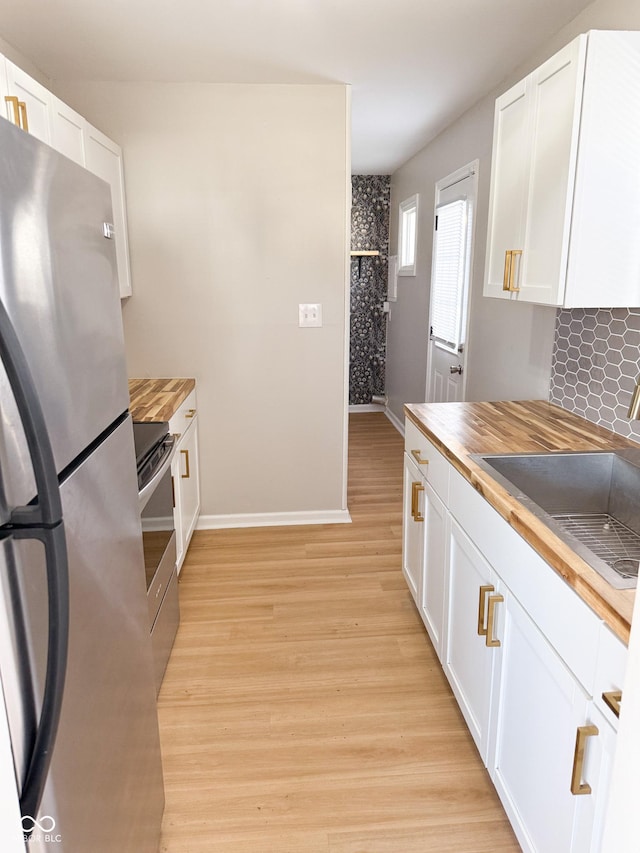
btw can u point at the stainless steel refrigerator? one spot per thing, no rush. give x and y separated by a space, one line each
76 671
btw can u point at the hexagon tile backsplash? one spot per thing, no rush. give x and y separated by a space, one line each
596 362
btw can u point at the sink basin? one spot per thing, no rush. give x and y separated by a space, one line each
591 501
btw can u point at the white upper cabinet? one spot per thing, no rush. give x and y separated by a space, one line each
104 158
565 191
29 105
68 131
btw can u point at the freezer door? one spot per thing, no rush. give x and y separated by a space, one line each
58 283
104 792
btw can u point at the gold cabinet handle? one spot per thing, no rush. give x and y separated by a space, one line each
613 700
186 459
11 99
482 631
418 457
510 267
24 124
491 641
515 253
577 786
507 270
191 413
416 488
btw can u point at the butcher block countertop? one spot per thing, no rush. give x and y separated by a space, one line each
461 429
158 399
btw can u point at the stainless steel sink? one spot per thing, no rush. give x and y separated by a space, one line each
591 501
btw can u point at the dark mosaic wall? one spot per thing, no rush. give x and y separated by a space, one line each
369 231
596 361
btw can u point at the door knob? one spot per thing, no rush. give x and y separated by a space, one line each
456 368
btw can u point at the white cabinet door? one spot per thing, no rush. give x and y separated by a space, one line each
590 824
4 89
413 528
535 145
177 508
555 94
189 483
468 659
34 100
104 158
539 707
432 596
509 185
68 130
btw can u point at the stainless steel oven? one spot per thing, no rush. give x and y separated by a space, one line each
155 448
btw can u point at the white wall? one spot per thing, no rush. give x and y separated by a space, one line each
237 205
510 344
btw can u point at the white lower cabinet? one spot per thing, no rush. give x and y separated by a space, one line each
413 528
539 711
469 660
526 658
432 587
424 537
185 472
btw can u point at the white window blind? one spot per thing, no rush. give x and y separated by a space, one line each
449 270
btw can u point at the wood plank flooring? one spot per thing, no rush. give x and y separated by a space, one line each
303 709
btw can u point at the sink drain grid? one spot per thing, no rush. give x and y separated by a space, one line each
610 540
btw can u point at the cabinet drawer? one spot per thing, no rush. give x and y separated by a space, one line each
184 416
433 466
570 626
610 670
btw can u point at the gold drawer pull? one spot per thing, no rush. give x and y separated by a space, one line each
418 457
11 99
186 459
491 641
191 413
24 124
613 699
482 631
577 786
416 488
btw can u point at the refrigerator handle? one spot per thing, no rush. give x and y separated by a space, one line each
42 521
55 545
48 508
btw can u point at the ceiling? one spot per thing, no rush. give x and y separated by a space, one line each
414 65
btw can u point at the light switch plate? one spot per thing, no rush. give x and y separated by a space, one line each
309 314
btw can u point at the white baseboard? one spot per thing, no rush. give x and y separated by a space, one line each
273 519
365 407
398 424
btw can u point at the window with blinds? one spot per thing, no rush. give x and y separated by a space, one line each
449 271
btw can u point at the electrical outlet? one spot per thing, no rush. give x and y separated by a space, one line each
309 314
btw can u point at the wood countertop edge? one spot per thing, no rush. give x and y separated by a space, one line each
154 400
613 606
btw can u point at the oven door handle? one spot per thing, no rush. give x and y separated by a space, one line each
145 493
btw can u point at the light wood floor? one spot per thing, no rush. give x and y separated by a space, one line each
303 709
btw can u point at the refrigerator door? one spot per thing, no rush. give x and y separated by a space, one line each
58 283
104 791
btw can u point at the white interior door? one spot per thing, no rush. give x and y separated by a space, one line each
454 223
